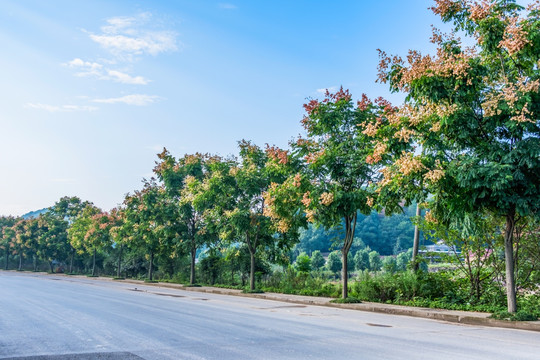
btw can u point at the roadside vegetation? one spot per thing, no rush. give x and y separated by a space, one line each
334 214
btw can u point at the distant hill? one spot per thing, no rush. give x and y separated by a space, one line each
34 214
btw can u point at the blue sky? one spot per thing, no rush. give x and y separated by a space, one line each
91 91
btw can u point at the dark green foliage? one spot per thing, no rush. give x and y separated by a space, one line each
348 300
403 259
399 287
375 262
303 263
389 264
317 260
290 281
385 234
361 259
334 263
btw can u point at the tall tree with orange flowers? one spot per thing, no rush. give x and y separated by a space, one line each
332 168
475 112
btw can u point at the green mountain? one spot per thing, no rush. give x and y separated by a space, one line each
34 214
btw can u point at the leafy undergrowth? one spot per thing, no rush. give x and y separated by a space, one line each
255 291
349 300
521 315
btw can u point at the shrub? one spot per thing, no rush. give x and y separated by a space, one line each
303 263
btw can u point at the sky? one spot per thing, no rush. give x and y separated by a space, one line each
91 91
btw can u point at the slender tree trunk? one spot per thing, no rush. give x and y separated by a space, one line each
232 271
350 226
192 265
71 261
252 271
119 261
7 258
51 266
20 262
416 241
94 263
151 267
509 261
345 275
35 263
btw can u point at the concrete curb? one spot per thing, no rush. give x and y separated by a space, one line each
460 317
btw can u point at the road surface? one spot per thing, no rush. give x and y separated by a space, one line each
58 317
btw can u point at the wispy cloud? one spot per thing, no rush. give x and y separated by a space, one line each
135 99
227 6
60 108
97 70
126 37
86 68
124 78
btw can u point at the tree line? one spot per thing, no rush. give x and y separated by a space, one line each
464 145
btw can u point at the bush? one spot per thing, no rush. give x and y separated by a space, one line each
401 287
361 259
317 260
334 263
303 263
521 315
349 300
375 262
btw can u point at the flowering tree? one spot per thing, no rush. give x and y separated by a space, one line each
331 169
59 217
234 196
148 210
52 242
90 232
475 111
182 179
120 231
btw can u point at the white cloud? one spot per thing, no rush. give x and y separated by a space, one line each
97 70
330 89
60 108
126 37
227 6
118 23
151 43
87 68
124 78
135 99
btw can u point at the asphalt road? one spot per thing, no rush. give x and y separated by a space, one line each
57 317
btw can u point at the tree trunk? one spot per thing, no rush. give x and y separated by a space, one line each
350 226
20 263
35 263
151 267
192 265
119 262
345 274
94 264
416 241
71 262
252 272
509 260
51 266
7 259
